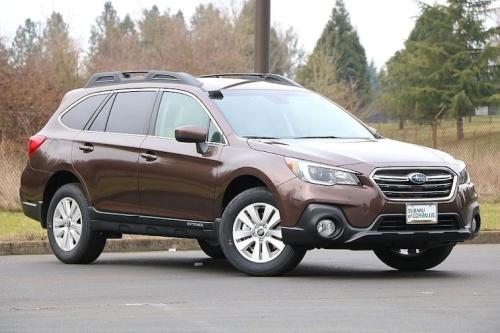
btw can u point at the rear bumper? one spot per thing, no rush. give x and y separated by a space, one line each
305 234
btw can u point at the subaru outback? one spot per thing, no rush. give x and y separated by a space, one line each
255 167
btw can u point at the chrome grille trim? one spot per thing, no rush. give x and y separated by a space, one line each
441 184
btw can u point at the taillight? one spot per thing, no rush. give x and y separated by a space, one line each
34 143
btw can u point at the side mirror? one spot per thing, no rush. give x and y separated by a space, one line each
193 134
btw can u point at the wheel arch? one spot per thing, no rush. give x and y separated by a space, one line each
55 181
240 181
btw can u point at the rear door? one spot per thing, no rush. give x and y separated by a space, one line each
174 180
106 154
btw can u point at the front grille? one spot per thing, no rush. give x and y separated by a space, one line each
398 223
396 184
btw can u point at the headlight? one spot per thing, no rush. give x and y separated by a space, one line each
463 175
321 174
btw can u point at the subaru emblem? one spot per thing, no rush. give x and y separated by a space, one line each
417 178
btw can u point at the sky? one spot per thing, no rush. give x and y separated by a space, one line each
382 25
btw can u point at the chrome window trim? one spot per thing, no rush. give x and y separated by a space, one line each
140 135
452 194
100 93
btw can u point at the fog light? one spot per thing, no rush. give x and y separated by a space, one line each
326 228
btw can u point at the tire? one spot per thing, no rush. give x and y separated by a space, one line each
71 250
426 259
260 252
211 249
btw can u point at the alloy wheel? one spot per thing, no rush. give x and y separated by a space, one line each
257 232
67 224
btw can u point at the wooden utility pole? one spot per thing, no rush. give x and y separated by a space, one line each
262 32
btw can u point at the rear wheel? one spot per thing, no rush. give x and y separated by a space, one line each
414 259
68 227
211 248
250 235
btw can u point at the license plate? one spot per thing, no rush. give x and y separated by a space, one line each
421 214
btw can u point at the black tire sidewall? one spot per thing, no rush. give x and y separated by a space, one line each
287 259
86 243
428 259
213 251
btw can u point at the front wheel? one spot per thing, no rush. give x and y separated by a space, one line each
250 235
68 227
414 259
211 248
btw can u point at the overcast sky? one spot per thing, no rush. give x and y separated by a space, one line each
383 25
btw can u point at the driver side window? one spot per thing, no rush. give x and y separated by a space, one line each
177 110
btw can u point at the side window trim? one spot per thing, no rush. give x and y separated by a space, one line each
156 110
78 101
111 93
98 111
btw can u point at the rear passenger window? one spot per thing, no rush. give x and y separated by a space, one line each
130 112
78 116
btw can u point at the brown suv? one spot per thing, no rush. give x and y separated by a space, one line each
255 167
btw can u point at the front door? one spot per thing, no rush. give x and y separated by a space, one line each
174 180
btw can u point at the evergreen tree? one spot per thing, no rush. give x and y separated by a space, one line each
26 43
60 53
446 66
373 76
340 43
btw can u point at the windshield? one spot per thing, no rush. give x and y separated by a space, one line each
287 115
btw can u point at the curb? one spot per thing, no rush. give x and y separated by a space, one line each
163 244
112 245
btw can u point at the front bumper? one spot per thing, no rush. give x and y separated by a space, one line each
380 234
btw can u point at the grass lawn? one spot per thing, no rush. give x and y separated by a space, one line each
15 226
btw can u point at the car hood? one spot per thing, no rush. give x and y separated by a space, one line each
344 152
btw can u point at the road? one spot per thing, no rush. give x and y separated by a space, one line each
187 292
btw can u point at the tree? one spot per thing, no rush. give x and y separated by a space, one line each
113 42
60 54
164 40
340 43
26 43
321 76
445 67
285 53
214 42
373 76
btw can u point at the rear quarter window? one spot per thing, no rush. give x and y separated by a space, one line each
78 116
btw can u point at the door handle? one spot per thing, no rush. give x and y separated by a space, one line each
149 156
86 147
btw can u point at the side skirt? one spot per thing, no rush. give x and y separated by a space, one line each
115 223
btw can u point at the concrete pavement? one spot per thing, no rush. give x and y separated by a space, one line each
187 292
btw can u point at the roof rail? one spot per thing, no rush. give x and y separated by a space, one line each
275 78
110 78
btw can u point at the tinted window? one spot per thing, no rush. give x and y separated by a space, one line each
80 114
99 122
177 110
130 112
